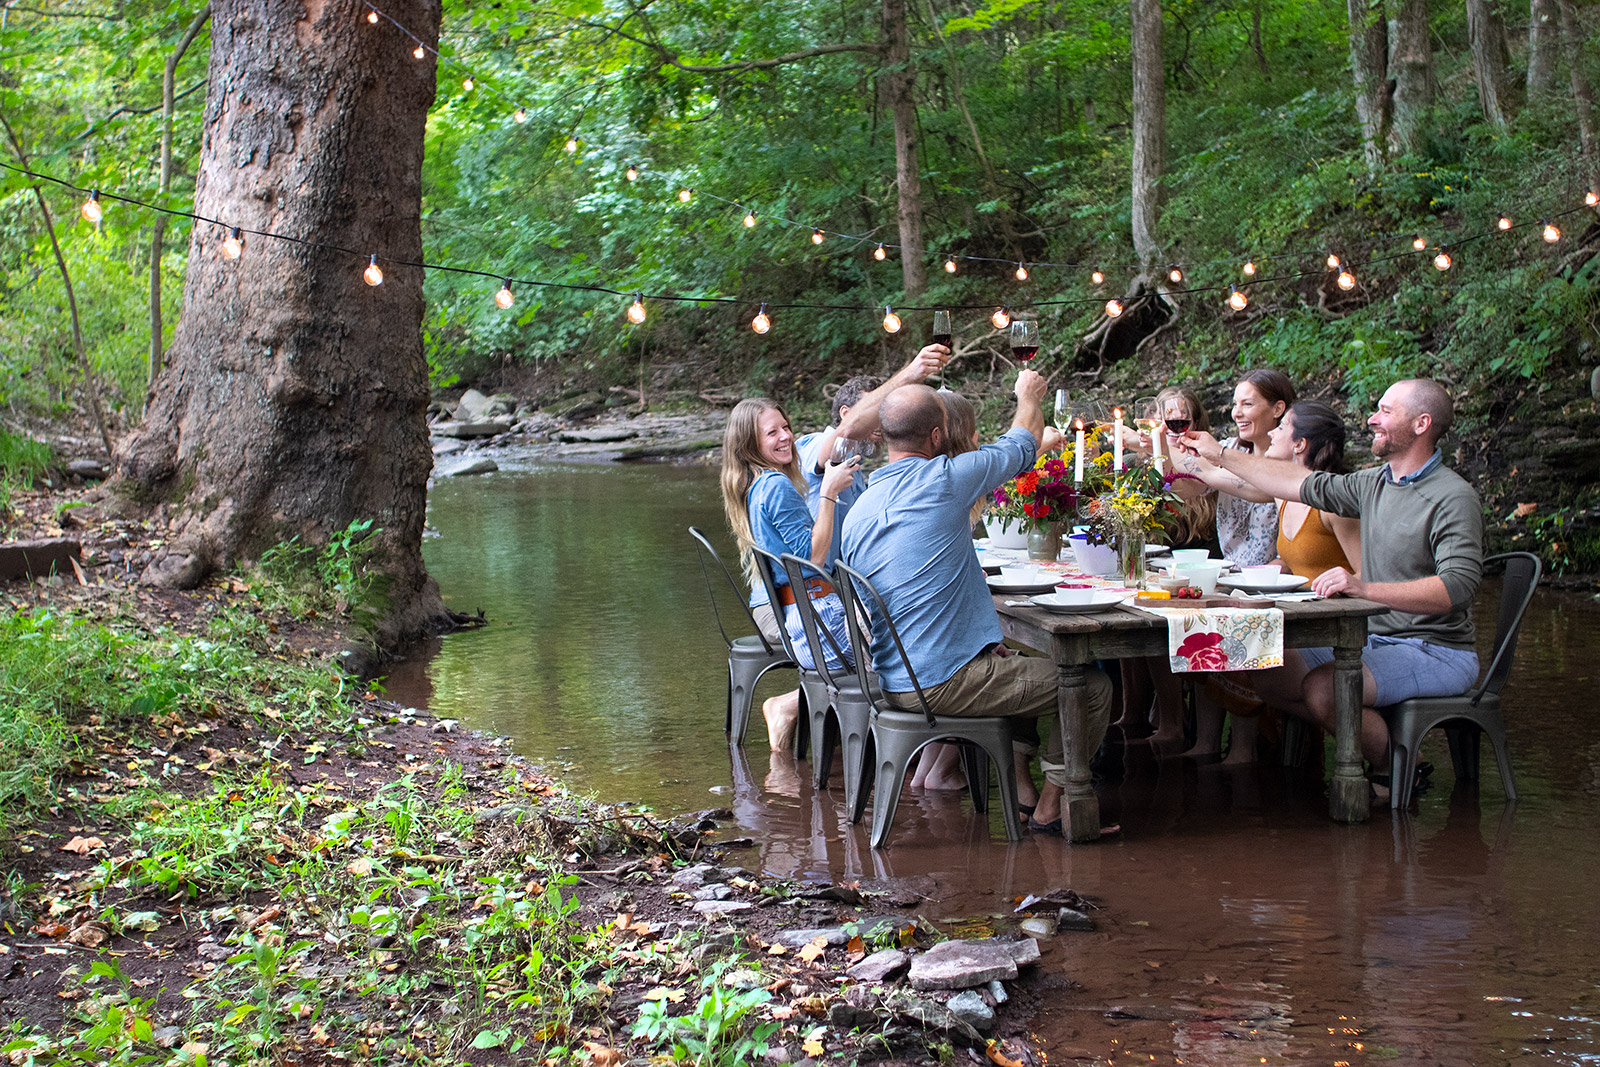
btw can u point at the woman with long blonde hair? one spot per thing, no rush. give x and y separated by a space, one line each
763 495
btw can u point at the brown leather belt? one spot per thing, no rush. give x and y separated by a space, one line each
816 589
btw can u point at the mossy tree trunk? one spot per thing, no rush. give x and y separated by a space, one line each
294 399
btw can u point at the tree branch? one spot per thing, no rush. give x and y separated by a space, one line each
671 58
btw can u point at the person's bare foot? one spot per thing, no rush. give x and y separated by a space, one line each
1239 756
783 717
1159 738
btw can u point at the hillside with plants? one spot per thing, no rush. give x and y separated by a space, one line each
1022 120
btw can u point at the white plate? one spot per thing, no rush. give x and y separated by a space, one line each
991 560
1284 583
998 584
1156 550
1166 563
1102 601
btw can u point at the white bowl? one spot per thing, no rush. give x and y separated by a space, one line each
1181 556
1202 576
1025 574
1266 572
1077 595
1093 559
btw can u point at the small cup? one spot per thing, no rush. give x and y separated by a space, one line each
1075 594
1023 574
1203 576
1181 556
1266 572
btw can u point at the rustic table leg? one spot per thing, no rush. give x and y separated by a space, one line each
1080 807
1349 796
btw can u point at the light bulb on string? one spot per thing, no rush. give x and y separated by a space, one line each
1442 261
877 253
1250 267
373 275
749 220
1333 261
1503 222
1001 318
467 83
685 195
1419 243
1174 275
504 298
1097 276
1346 280
636 310
1113 308
1237 300
91 208
1550 232
1591 198
762 322
419 51
1021 272
891 321
950 264
817 236
233 244
519 116
571 145
372 16
633 174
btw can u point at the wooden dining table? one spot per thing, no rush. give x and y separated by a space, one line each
1074 642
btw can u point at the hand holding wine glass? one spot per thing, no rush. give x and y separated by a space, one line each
1024 340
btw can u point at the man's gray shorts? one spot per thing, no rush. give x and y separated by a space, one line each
1406 667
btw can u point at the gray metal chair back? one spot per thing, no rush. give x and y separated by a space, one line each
749 656
813 686
1469 716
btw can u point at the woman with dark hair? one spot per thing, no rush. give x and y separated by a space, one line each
1312 541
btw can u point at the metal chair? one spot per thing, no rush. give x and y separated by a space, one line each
1468 716
748 657
813 687
894 736
849 707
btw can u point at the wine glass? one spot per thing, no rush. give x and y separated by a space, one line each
942 336
1024 340
1177 416
1147 417
1063 412
846 449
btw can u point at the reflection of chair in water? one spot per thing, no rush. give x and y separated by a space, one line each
1472 714
895 736
813 687
748 657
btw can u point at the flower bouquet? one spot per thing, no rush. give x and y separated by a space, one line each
1133 506
1048 493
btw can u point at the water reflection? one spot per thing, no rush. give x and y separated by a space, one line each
1241 926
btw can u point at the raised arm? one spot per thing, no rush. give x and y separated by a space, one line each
835 477
1239 473
1030 404
1212 475
862 418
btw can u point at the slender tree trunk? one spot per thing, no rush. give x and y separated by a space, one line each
1488 37
1256 44
1544 45
160 230
1413 75
1149 129
901 85
294 400
1369 60
1572 38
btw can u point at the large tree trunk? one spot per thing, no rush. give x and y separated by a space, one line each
1544 45
1413 75
1369 61
1572 38
295 397
1488 37
1149 129
900 86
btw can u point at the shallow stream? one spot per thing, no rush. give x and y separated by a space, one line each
1241 926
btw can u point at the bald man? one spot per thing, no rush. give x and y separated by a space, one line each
910 534
1421 554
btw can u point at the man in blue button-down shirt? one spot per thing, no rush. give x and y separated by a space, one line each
910 534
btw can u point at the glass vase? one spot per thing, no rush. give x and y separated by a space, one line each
1044 542
1130 558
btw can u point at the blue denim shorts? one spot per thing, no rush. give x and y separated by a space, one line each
1406 667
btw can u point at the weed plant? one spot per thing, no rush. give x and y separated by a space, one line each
306 581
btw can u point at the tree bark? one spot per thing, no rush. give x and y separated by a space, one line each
1413 75
1488 37
295 396
1369 60
1572 38
1256 44
1149 129
900 84
1544 45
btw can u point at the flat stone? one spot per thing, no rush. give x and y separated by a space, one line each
467 465
997 990
467 429
696 876
39 558
474 406
970 1008
962 965
878 966
798 939
598 436
448 445
1024 950
1073 919
1038 926
930 1014
713 892
722 907
87 468
843 1015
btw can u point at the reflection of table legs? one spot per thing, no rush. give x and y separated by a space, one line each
1080 808
1349 796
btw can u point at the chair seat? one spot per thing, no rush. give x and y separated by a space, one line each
1464 722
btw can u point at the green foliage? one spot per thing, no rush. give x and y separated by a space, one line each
716 1032
331 580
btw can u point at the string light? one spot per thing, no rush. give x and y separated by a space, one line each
91 208
1113 307
1591 198
1022 273
1173 275
1550 232
1097 276
762 322
1250 267
419 51
749 220
877 253
817 235
685 195
519 116
1419 243
466 83
372 16
891 321
1237 300
1347 281
633 174
1442 261
1001 318
503 299
636 310
949 264
233 244
373 275
1333 261
1503 222
572 144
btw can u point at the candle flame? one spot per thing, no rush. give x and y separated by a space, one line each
1116 413
1077 424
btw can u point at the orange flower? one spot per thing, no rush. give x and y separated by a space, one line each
1027 483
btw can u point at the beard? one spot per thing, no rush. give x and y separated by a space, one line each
1391 442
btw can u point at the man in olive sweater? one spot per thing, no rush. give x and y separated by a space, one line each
1421 554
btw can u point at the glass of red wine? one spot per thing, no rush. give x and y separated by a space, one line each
942 335
1177 416
1024 340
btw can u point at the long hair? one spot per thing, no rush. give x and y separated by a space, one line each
741 463
960 427
1197 518
1274 386
1320 427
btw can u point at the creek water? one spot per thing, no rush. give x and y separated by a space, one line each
1240 925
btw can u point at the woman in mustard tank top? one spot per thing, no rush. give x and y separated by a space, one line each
1312 541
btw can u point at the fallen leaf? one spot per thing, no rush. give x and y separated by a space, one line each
812 1046
781 1011
1524 510
89 935
1000 1058
814 950
144 921
602 1056
360 868
660 992
81 845
777 950
1151 963
855 946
